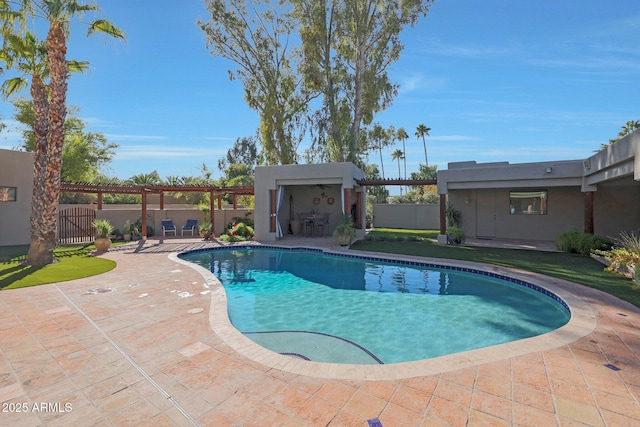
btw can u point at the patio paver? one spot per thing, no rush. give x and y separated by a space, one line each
134 346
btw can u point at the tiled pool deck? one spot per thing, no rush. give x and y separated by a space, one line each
137 346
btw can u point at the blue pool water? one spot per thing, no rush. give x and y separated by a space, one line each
331 308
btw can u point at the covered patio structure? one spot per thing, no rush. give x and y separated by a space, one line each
288 196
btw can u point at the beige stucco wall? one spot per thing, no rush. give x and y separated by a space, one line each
616 161
118 215
16 170
617 208
409 216
301 182
565 211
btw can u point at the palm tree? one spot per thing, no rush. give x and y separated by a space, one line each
58 14
421 132
402 136
629 127
151 178
398 155
28 55
380 139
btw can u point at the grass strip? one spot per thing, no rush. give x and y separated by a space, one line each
74 262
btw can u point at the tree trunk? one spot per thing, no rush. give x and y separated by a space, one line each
57 49
424 144
40 253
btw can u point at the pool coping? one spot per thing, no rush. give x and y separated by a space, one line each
582 322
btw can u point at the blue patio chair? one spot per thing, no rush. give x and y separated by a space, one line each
168 227
190 226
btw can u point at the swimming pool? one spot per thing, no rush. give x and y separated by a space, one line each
347 309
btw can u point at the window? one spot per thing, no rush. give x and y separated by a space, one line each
531 202
7 194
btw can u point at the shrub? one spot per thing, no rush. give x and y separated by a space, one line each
626 255
455 235
454 216
103 228
576 241
238 232
138 226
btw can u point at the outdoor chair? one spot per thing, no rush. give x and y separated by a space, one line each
190 226
168 227
319 225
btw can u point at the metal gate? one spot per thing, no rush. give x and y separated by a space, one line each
75 225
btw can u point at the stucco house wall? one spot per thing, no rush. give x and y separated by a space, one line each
309 187
486 214
611 177
16 170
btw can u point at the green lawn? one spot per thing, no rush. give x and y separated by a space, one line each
575 268
74 262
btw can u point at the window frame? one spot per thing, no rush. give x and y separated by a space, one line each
539 203
8 194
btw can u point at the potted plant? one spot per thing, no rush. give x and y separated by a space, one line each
126 234
205 229
345 231
455 235
103 231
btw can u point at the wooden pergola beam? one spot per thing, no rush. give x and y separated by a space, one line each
411 182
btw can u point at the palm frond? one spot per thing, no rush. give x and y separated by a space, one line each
75 66
14 85
105 26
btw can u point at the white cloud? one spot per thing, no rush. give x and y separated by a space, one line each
133 137
453 138
437 47
165 152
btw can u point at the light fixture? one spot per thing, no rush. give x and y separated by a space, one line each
466 201
548 170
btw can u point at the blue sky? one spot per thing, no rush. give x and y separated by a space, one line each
495 80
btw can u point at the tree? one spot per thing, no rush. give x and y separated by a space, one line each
402 135
381 138
151 178
379 192
243 152
421 132
347 50
398 155
424 172
257 40
58 15
83 154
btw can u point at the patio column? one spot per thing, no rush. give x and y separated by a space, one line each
272 211
99 201
211 212
359 195
144 214
443 214
588 212
162 200
347 201
220 201
235 201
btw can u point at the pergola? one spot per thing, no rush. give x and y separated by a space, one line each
216 192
